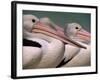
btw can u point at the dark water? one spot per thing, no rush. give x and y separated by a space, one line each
62 18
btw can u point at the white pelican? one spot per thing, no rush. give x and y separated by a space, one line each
28 45
75 56
48 49
82 58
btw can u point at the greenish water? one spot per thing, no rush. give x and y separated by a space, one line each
62 18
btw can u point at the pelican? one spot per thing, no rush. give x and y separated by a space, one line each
28 45
81 59
43 47
75 56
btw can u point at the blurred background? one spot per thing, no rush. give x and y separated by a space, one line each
62 18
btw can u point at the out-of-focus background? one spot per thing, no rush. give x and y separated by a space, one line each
62 18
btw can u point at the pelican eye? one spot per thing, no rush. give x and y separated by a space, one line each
33 20
76 27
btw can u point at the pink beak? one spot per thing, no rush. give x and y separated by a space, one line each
39 27
83 34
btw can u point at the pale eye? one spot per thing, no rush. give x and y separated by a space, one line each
33 20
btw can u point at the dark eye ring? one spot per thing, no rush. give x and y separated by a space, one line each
76 28
33 20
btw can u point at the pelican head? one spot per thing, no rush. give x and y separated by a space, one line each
77 33
29 21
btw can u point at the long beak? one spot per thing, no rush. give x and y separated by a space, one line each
84 35
47 30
